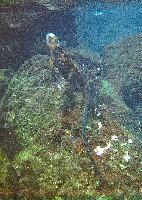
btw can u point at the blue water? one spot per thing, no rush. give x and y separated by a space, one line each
100 24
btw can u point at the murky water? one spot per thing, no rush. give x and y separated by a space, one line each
100 24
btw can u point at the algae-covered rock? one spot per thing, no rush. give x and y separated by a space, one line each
5 77
4 163
36 96
34 99
2 83
123 61
107 91
53 160
46 172
123 71
66 172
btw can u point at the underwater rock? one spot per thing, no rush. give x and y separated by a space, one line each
17 25
23 26
19 18
4 73
53 172
114 150
132 92
37 91
32 94
122 61
22 17
52 159
3 168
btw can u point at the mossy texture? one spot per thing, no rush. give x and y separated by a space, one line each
3 169
53 162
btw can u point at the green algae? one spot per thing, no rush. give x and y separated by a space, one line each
107 89
4 163
45 165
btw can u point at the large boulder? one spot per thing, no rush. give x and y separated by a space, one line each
53 160
123 66
123 61
30 99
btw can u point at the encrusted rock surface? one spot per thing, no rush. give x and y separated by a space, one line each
51 158
123 66
123 61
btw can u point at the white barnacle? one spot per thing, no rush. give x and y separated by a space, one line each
59 86
98 114
100 125
126 157
114 137
99 150
130 141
